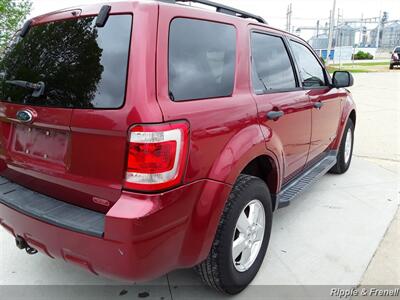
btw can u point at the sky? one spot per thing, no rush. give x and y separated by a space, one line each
305 12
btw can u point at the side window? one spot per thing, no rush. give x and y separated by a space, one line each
202 58
272 69
310 70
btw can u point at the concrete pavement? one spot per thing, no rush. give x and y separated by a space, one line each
378 125
384 268
378 141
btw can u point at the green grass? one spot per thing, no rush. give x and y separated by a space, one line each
369 64
332 70
362 67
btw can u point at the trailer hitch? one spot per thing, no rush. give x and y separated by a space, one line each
23 245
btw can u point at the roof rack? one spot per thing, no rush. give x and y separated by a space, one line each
222 9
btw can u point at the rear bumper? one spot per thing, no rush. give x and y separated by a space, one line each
145 236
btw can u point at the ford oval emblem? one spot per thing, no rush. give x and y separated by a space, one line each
25 116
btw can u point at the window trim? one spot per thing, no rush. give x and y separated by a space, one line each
292 63
324 71
236 58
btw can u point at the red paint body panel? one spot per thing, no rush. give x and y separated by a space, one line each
326 120
348 108
79 156
292 131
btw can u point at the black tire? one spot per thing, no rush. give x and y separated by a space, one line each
218 270
391 67
342 166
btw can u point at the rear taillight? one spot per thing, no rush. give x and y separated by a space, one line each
157 156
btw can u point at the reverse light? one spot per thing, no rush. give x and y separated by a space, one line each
157 156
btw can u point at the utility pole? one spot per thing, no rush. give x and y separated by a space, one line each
289 18
340 36
378 32
318 43
331 28
361 39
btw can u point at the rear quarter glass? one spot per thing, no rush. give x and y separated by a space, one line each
81 65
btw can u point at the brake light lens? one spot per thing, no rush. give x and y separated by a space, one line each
157 156
151 158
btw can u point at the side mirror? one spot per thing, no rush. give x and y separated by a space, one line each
342 79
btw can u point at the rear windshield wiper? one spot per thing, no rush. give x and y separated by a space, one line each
38 88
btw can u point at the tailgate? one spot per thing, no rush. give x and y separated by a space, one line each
67 141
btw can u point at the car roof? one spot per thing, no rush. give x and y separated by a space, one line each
95 8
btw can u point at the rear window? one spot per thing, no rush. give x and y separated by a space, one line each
202 59
397 50
80 65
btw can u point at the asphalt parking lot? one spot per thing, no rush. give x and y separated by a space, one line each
344 231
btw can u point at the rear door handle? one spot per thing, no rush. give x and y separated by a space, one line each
318 105
275 115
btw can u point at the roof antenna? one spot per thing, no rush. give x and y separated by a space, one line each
102 18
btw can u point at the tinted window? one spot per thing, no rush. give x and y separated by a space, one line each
272 69
310 70
201 59
397 50
81 66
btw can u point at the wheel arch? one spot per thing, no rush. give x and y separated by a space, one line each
265 168
246 149
245 153
348 113
353 116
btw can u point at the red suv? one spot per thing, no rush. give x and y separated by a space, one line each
140 138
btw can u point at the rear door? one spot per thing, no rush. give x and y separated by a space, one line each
68 141
283 105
